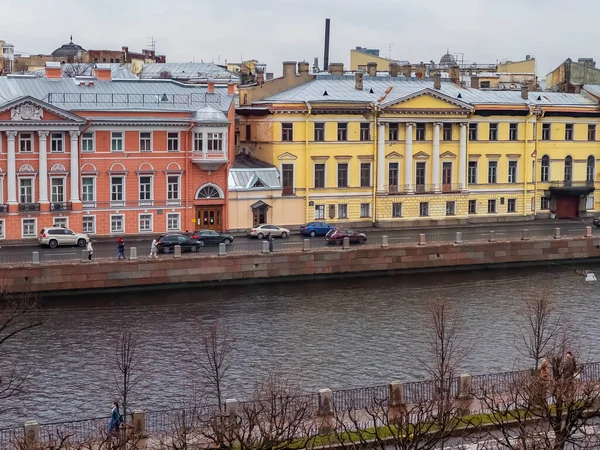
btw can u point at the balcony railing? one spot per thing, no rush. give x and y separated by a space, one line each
210 160
450 187
570 183
61 206
132 204
3 208
26 207
422 188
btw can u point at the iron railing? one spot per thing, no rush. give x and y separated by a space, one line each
61 206
27 207
132 99
3 208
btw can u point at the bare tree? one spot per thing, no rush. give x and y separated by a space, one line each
127 373
78 67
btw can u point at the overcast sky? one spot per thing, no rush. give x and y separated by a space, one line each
276 30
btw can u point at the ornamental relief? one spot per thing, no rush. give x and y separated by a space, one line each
26 111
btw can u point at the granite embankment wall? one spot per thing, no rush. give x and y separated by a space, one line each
249 268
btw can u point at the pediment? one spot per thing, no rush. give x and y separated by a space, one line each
393 155
428 100
421 155
25 110
287 156
448 155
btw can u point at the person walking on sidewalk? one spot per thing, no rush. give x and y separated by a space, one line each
154 249
270 239
90 250
121 248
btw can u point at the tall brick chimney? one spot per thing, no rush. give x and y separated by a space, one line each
230 89
260 76
289 69
53 70
372 69
103 72
358 80
454 73
303 68
394 68
336 68
524 92
437 80
407 71
211 86
474 81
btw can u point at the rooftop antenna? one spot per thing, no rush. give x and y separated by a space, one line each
152 42
389 44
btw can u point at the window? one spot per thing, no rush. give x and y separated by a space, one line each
173 195
56 143
342 134
342 211
591 132
215 142
87 142
365 210
569 132
450 208
472 172
590 169
545 203
319 175
28 228
546 132
393 176
420 132
365 174
423 209
447 132
62 222
2 235
25 190
287 132
57 190
198 144
365 131
472 131
248 132
512 205
513 132
172 141
492 172
117 223
396 209
420 176
589 202
491 206
393 132
319 212
88 189
287 178
117 192
145 142
145 223
88 224
116 141
25 142
173 222
484 85
512 171
342 175
319 131
493 131
568 175
145 191
545 168
472 206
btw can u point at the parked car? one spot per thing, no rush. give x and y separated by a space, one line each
337 237
261 231
167 243
55 236
596 221
210 237
313 229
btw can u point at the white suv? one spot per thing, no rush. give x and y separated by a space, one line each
55 236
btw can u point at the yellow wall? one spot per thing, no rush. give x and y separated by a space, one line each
362 59
527 66
284 211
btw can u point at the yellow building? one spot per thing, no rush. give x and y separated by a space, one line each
388 151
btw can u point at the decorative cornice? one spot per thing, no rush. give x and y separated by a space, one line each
11 135
448 155
421 155
365 157
74 135
43 135
343 157
319 158
393 155
287 156
513 155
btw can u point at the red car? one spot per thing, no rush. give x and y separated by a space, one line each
337 237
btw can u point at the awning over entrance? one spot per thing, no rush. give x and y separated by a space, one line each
259 204
577 188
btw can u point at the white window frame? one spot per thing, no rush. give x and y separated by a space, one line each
396 216
213 138
140 222
66 219
24 139
589 203
345 215
319 212
122 216
150 201
58 139
178 200
513 179
516 204
426 204
34 235
124 198
170 139
2 229
370 173
147 140
64 186
169 216
198 141
89 203
1 190
114 139
368 208
32 189
324 174
88 137
451 211
93 224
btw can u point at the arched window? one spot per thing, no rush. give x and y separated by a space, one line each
208 192
568 171
545 174
590 169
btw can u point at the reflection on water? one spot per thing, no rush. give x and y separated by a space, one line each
342 333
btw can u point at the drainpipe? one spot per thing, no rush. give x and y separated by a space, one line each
375 161
537 137
186 216
525 164
306 159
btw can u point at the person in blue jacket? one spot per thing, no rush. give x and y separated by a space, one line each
115 419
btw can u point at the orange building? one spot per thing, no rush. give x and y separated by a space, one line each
113 157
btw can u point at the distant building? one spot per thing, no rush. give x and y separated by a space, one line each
570 76
7 57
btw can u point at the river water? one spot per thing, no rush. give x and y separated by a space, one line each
336 334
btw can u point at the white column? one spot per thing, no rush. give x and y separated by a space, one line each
462 157
381 158
74 166
436 157
43 180
408 158
11 169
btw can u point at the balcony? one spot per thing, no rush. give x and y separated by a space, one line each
134 204
61 206
422 189
28 207
3 208
210 160
569 187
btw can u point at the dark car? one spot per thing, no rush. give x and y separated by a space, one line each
210 237
337 237
315 229
596 221
167 243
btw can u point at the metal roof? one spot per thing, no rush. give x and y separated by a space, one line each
247 171
593 89
341 88
187 71
118 71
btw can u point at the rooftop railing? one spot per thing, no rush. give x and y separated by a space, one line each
101 99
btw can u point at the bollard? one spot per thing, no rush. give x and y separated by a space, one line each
32 435
133 253
85 255
265 247
231 409
525 235
396 404
492 236
465 385
325 411
222 249
464 398
385 242
346 243
588 232
35 258
458 239
422 239
138 420
177 253
306 245
557 233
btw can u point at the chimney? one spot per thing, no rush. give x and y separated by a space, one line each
394 68
103 72
362 67
303 68
358 80
454 73
437 80
326 55
260 76
372 69
474 81
211 86
524 92
53 70
230 89
269 76
336 68
289 69
420 71
407 71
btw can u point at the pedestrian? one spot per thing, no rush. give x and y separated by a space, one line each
570 366
115 420
121 248
154 249
90 250
270 239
